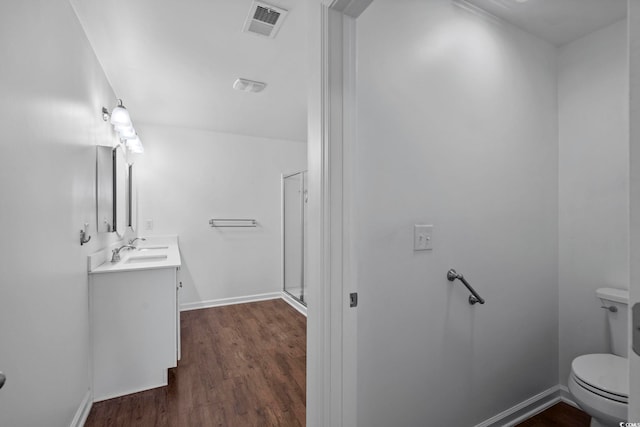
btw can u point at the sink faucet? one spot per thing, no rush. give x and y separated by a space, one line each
116 252
137 238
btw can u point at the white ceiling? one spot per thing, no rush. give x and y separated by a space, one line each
557 21
174 63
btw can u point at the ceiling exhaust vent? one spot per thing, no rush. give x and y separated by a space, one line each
264 20
247 85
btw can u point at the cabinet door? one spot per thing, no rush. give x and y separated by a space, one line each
133 330
178 293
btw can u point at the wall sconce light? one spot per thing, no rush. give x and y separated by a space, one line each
126 132
135 145
121 121
120 116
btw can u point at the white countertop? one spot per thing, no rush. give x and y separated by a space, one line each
152 253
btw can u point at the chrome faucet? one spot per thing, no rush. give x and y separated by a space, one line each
137 238
116 252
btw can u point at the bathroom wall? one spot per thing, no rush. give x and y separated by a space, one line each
593 101
189 176
53 89
457 127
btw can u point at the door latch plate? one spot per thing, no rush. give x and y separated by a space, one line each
353 299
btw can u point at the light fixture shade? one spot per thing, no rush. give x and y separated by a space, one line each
126 132
135 145
120 117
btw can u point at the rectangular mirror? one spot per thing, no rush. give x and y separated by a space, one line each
104 189
120 191
132 213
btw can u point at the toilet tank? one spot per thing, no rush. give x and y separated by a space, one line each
617 321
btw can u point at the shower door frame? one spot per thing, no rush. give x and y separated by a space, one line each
283 221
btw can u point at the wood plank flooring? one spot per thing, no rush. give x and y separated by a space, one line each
242 365
559 415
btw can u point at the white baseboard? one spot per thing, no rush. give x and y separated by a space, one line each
527 409
565 396
294 303
229 301
130 391
83 411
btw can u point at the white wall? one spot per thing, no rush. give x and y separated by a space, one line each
188 176
53 89
457 128
594 186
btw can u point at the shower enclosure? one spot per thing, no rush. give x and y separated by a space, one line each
294 224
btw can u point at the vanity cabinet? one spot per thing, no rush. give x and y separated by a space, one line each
134 330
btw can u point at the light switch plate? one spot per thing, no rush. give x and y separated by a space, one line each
148 224
422 237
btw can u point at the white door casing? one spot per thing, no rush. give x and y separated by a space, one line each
331 339
633 17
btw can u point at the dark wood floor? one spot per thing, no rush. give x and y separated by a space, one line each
242 365
560 415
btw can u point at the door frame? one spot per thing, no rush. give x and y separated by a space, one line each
332 326
331 323
300 305
633 44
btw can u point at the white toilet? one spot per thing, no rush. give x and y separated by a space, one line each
599 383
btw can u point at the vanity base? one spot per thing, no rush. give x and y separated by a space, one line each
133 330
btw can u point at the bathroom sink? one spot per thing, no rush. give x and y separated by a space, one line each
145 258
158 253
151 248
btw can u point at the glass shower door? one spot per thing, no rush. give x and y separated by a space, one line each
294 212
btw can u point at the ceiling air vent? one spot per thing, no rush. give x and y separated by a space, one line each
264 20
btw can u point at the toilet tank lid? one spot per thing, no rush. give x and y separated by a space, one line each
613 294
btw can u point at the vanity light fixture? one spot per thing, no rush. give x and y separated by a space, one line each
120 115
121 121
126 132
135 145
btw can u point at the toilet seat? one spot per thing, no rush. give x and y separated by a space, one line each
606 375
